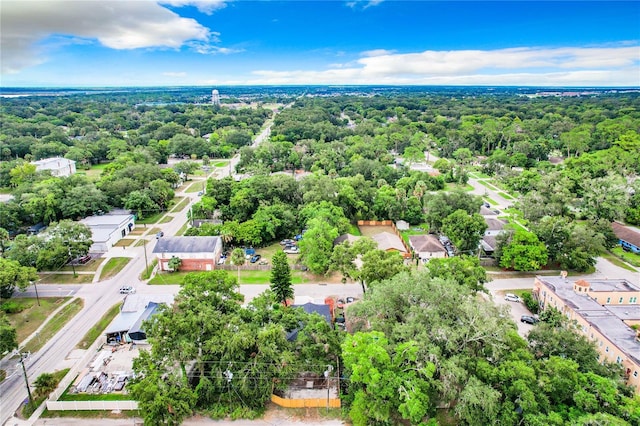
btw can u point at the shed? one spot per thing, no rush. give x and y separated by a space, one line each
629 238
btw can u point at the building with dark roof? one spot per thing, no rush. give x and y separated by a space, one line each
196 253
628 237
427 247
604 311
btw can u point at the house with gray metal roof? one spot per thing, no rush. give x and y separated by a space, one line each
195 253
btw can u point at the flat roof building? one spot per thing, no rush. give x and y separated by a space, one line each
604 311
58 166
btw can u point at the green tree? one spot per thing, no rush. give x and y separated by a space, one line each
174 263
8 335
13 275
317 245
238 259
387 383
465 270
281 277
379 265
4 241
141 203
45 384
524 252
464 230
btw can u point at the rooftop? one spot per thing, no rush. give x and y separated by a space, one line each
426 243
607 319
626 233
187 245
388 241
106 220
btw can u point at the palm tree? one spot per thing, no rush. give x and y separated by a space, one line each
238 259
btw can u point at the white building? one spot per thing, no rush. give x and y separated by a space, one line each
59 167
196 253
108 229
215 97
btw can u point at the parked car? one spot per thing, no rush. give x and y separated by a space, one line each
351 299
292 250
487 205
528 319
255 258
159 234
84 259
511 298
287 242
222 260
200 193
127 289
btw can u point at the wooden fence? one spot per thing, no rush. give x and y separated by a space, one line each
306 403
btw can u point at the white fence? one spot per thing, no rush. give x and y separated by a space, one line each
91 405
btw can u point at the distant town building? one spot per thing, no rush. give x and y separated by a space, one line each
58 166
215 97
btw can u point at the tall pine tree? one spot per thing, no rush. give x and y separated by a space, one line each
281 277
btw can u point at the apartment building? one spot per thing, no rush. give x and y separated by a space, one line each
604 310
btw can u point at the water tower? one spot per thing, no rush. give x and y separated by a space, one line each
215 97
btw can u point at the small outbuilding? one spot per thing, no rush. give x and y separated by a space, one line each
628 237
195 253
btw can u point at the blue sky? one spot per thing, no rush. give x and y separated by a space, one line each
216 42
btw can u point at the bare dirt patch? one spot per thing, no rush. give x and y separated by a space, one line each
370 231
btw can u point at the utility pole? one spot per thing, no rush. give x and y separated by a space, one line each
26 380
146 264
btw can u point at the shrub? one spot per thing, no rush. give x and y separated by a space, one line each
530 302
12 307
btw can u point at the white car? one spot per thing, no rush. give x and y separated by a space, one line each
127 289
511 298
292 250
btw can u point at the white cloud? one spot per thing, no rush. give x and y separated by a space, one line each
204 6
601 66
174 74
117 24
365 4
377 52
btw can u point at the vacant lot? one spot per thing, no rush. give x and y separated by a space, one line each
370 231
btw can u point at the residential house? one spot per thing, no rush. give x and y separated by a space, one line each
390 242
604 311
58 166
196 253
495 227
427 247
628 237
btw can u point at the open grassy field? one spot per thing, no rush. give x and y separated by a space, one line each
220 163
53 278
184 202
54 325
125 242
616 261
113 266
95 331
90 266
628 257
28 321
197 186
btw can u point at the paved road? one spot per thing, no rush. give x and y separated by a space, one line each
98 298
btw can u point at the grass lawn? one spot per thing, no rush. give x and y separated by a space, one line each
150 219
90 266
138 230
28 409
181 205
354 230
166 218
27 321
49 278
95 331
91 414
54 325
616 261
490 201
146 274
125 242
141 242
197 186
221 163
154 231
183 228
517 226
628 257
424 229
454 186
505 195
94 172
246 277
113 266
95 397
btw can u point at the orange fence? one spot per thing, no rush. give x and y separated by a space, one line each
306 403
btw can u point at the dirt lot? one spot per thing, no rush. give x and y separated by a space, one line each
370 231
